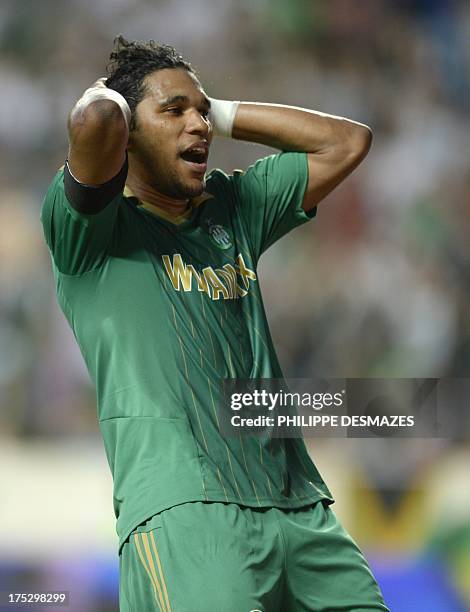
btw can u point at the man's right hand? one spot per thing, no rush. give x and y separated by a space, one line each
98 133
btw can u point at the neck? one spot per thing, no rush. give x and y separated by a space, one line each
147 193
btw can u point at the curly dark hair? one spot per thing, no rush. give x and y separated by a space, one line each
131 62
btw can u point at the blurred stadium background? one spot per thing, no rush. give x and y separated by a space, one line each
377 285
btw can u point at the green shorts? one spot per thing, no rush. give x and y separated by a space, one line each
217 557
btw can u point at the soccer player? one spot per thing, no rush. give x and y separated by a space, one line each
155 264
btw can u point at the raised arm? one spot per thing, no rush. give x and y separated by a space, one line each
334 145
98 128
94 176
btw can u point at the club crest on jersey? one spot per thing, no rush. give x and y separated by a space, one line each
218 234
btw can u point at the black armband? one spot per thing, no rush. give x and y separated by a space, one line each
91 199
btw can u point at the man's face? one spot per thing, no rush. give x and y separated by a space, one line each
170 144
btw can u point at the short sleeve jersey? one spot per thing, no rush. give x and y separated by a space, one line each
164 311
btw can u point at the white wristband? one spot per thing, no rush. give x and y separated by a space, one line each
222 116
104 93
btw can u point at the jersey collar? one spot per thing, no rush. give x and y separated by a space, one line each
159 212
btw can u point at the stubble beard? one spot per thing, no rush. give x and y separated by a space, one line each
178 188
193 192
173 184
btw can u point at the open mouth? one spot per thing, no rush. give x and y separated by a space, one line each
196 157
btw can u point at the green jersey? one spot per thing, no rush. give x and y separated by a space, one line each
162 312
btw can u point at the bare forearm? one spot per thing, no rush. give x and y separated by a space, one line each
290 128
334 145
98 133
